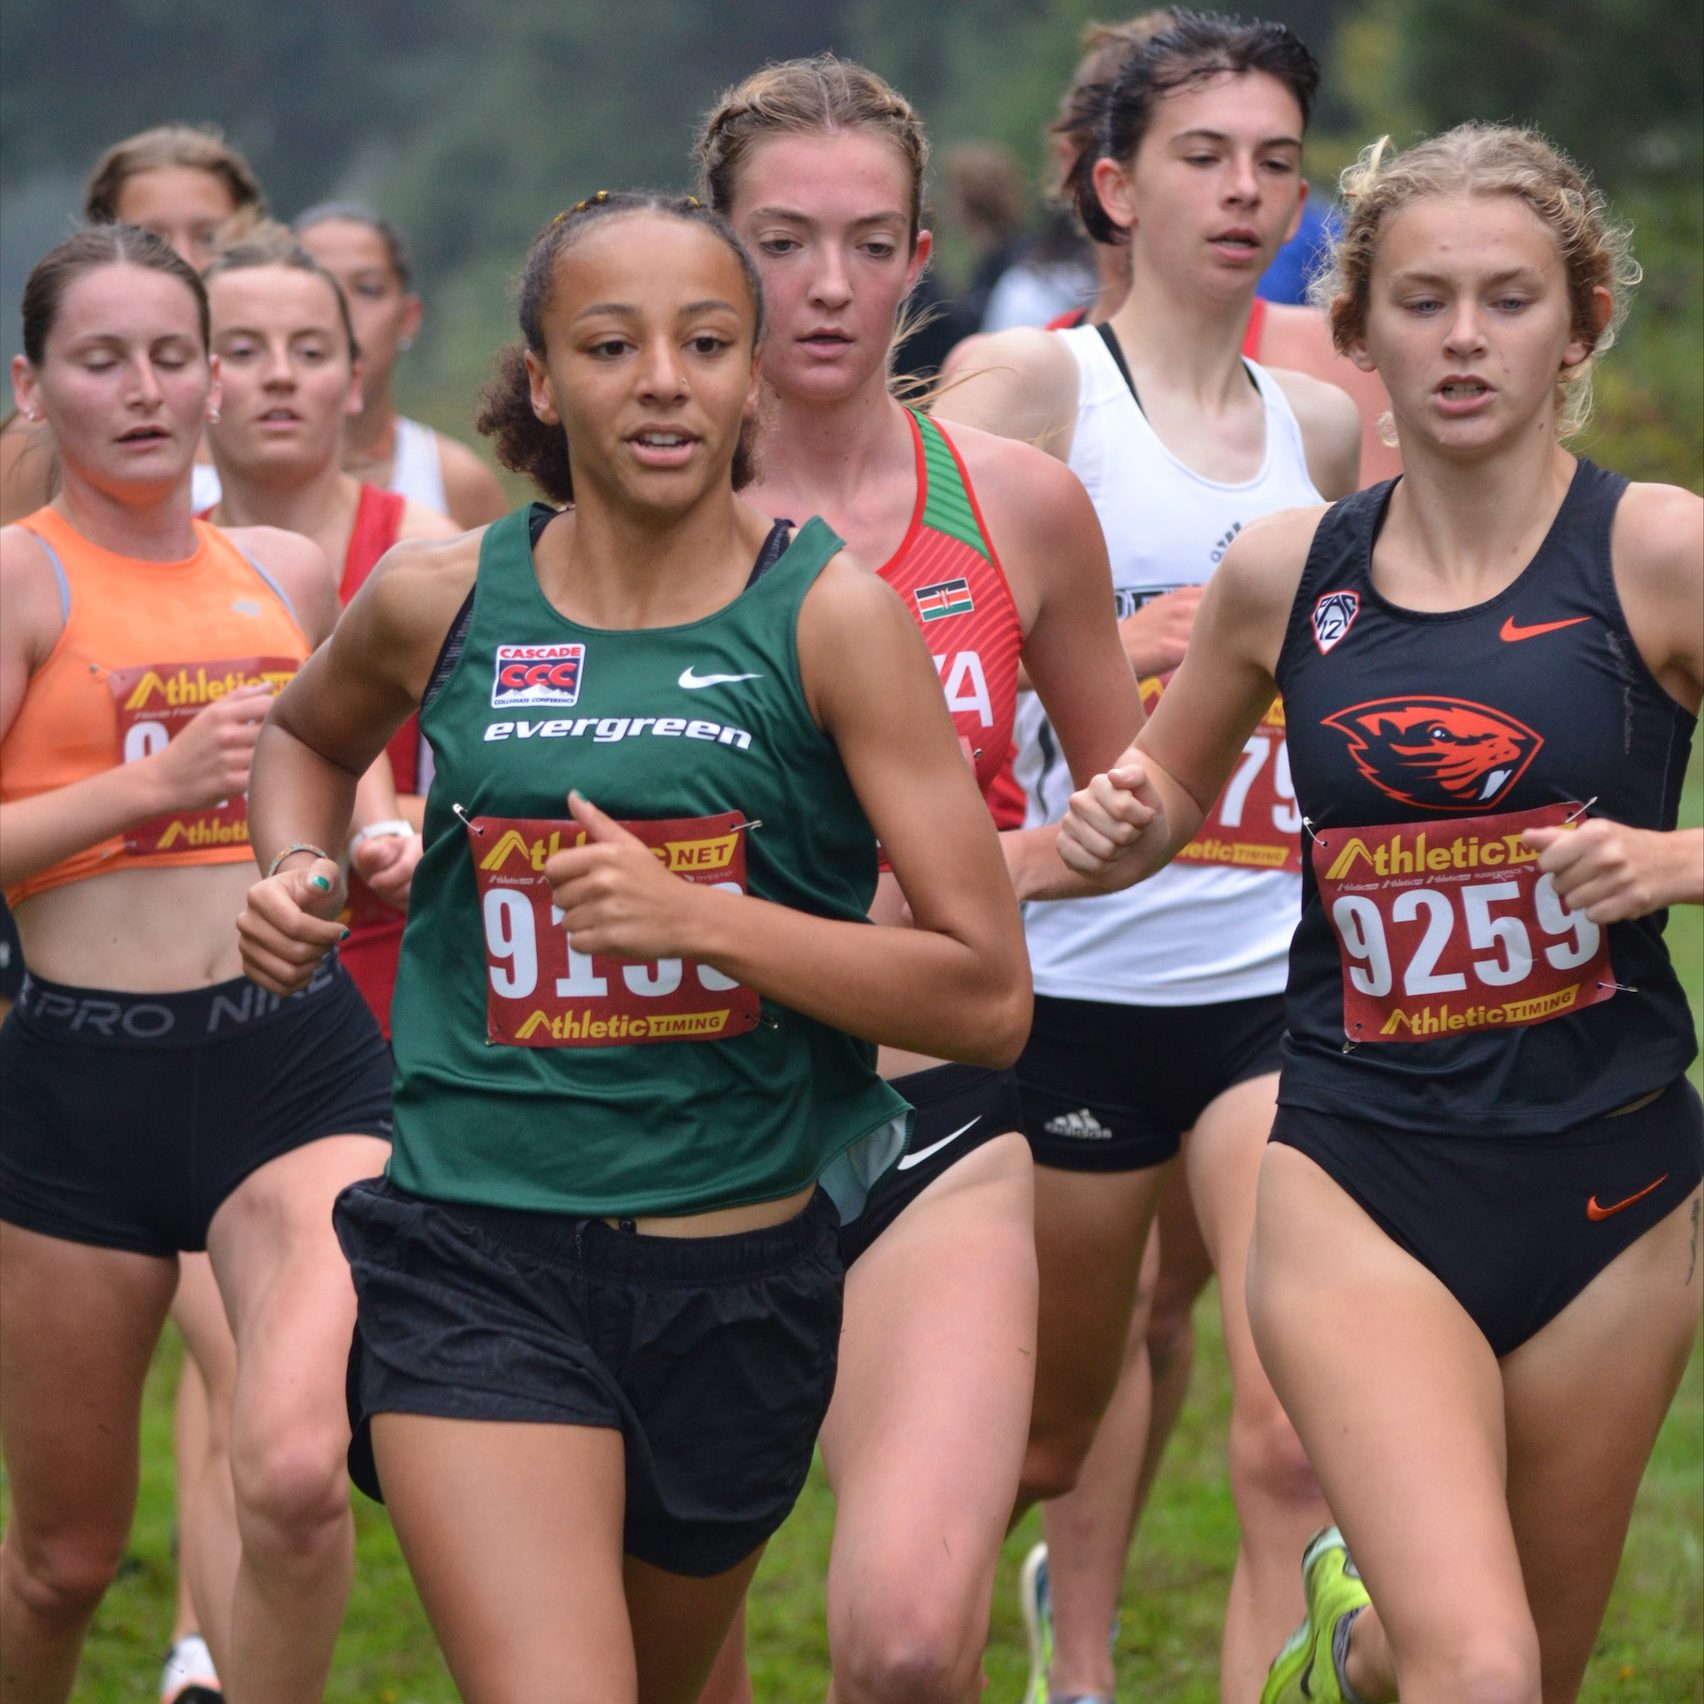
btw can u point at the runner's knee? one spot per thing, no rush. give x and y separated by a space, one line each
1052 1463
1475 1664
1267 1459
907 1649
1171 1330
61 1577
292 1489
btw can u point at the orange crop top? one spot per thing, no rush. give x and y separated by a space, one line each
146 645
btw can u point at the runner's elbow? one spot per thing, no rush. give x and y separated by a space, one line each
1004 1024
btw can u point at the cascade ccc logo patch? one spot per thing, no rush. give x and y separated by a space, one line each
537 675
1435 753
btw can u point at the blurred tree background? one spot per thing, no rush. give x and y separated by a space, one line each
470 123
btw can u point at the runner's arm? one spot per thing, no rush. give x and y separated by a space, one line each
1132 821
956 984
330 725
1606 869
1055 558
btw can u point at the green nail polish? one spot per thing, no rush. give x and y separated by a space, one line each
344 936
323 883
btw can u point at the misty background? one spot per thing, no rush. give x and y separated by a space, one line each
470 122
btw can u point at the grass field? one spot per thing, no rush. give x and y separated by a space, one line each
1651 1649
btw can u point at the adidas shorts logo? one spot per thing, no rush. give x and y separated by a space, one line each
1082 1124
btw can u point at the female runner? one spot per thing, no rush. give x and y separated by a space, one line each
182 182
594 1348
152 1102
291 372
369 258
994 547
1158 1011
1478 1218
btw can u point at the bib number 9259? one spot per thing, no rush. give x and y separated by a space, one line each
1448 927
540 992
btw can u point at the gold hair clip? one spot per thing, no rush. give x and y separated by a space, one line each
693 202
580 206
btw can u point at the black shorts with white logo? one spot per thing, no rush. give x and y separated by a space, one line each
1514 1227
959 1107
1115 1088
714 1357
126 1119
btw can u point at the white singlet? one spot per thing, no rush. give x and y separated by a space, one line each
415 469
204 487
1194 934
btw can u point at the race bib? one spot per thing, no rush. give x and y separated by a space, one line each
1449 927
156 702
541 993
1255 824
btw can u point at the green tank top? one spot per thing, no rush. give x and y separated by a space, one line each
532 1077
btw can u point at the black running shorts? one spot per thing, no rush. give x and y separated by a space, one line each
959 1107
1514 1227
714 1357
126 1119
1115 1088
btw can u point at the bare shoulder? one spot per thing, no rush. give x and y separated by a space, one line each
28 468
301 569
1026 494
288 556
420 522
1020 383
473 492
847 589
851 612
1330 423
417 586
1261 570
30 610
1659 530
1657 556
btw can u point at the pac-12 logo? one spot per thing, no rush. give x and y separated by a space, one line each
537 674
1333 616
1440 754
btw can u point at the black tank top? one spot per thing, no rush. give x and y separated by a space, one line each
1433 985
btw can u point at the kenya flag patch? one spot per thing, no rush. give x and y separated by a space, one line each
950 597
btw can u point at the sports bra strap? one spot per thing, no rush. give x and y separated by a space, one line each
58 574
277 590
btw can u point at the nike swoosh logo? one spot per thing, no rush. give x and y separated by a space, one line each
690 680
1512 633
922 1154
1593 1211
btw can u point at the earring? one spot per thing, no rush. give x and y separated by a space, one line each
404 343
212 417
33 415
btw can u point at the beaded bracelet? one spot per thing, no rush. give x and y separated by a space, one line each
299 846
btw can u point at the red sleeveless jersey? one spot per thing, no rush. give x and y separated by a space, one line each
375 929
949 575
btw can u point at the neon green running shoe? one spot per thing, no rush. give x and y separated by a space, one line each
1304 1672
1037 1603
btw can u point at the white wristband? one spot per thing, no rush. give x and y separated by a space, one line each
379 830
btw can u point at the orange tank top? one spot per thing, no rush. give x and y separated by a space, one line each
145 647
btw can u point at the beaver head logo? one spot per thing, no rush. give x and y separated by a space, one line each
1440 754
